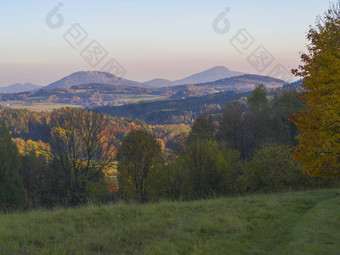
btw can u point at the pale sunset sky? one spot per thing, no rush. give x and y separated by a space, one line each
151 39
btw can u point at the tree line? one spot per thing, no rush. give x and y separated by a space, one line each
266 143
243 150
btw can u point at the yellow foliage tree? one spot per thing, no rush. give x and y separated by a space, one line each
319 142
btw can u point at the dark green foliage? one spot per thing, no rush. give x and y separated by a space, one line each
36 175
264 120
282 106
233 128
258 99
175 111
203 128
43 181
204 170
139 157
259 133
12 193
272 169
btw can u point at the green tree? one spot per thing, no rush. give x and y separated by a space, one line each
258 98
201 171
35 173
203 128
233 130
282 130
12 192
139 157
319 142
272 169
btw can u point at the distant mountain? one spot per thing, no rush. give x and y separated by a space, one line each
79 78
158 83
213 74
294 85
19 87
244 82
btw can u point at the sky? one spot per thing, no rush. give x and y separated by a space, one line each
43 41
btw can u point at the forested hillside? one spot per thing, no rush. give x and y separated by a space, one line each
238 149
88 92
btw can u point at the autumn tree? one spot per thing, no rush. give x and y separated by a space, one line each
319 142
138 157
12 193
82 146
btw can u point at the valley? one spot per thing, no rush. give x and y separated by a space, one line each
98 89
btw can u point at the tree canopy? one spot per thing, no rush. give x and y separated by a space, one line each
319 142
12 193
139 156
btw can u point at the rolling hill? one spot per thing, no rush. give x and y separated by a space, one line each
294 85
172 111
244 82
158 83
101 94
213 74
19 87
90 77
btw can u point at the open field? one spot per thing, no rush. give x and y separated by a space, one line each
42 104
143 98
37 107
288 223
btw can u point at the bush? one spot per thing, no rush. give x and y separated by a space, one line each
272 169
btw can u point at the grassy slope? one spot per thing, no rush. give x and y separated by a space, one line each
289 223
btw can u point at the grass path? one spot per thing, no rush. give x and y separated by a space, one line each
288 223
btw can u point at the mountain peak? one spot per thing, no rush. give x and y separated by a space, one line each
86 77
219 68
212 74
92 73
19 87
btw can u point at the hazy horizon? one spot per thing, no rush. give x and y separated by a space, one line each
149 39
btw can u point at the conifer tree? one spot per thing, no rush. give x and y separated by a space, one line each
12 193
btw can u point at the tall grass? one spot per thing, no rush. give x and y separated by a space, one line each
287 223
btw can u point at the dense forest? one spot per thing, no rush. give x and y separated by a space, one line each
73 156
225 144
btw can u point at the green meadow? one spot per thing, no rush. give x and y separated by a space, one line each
287 223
